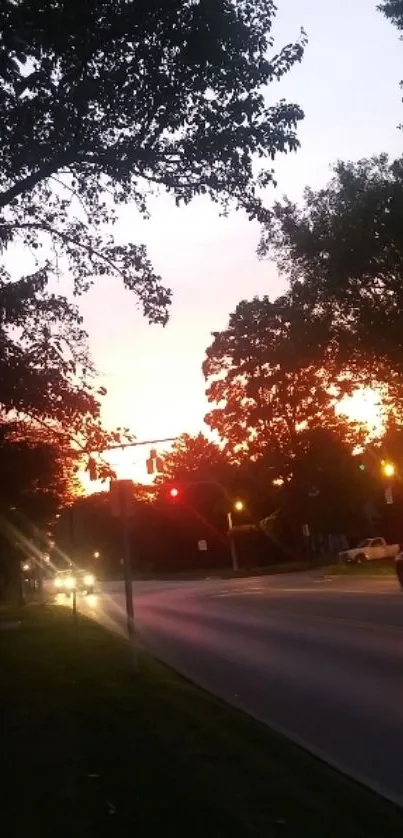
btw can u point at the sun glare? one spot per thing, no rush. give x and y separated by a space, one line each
363 406
128 464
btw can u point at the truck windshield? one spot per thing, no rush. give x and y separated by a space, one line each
365 543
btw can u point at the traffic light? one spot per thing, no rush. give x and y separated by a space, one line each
154 464
92 469
172 494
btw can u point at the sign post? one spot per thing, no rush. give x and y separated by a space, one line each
121 496
232 544
306 534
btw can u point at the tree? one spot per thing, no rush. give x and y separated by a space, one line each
153 95
35 477
393 10
272 375
193 458
328 490
342 252
45 370
35 480
387 448
47 380
101 102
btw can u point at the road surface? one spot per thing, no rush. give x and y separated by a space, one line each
318 659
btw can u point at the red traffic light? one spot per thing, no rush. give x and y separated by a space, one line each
174 492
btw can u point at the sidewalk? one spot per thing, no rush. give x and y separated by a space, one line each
90 749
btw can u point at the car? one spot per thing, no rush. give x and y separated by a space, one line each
369 550
74 579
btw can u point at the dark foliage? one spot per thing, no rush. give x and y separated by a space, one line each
101 101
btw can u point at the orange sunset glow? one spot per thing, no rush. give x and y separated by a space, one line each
363 406
130 463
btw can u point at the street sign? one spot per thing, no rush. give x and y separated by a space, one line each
202 545
121 498
389 495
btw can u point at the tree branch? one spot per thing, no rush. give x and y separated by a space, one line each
46 228
31 180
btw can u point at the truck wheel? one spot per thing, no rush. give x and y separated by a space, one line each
360 558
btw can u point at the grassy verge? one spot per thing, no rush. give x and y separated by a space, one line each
295 566
374 568
93 750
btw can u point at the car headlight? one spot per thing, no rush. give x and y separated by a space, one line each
89 579
70 582
58 582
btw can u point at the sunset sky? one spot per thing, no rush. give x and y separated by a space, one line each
348 86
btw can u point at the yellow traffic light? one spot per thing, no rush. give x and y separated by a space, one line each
388 469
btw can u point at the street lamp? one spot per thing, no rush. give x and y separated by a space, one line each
388 469
238 507
96 554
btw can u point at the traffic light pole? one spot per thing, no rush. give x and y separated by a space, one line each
127 572
121 497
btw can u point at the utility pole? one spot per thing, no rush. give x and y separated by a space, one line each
127 567
232 545
122 507
238 507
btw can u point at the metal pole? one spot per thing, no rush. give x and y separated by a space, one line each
128 584
37 560
74 605
21 592
72 533
232 544
40 582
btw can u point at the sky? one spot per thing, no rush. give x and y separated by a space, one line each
348 87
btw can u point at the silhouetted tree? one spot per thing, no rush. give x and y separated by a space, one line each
36 478
393 9
342 252
272 375
101 101
193 458
328 489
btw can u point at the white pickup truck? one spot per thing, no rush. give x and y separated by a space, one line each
370 549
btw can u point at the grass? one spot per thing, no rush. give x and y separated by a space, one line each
383 567
295 566
94 750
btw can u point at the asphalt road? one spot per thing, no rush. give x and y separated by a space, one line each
320 660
